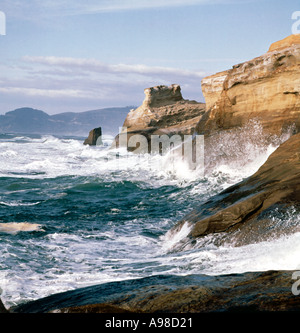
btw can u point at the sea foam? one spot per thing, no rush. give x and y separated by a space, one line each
15 227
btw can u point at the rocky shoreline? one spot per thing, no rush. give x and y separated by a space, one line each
248 292
266 89
246 205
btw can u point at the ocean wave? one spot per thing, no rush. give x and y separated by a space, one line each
50 157
107 219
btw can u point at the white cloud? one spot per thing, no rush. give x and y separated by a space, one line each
95 66
121 5
29 9
88 83
51 93
98 6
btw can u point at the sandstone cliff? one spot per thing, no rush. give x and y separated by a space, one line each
266 88
164 111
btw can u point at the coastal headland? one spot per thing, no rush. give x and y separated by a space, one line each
264 90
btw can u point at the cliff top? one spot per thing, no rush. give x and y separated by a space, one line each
286 42
162 95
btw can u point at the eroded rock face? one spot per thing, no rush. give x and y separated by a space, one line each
162 95
266 88
212 87
163 111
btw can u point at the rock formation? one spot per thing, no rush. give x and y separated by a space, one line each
164 111
276 185
248 292
292 40
94 137
266 88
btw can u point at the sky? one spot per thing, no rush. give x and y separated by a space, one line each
73 56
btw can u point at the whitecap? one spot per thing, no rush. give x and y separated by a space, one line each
18 203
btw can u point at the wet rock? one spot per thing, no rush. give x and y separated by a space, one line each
247 292
275 184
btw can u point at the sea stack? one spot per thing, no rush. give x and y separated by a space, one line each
94 137
163 111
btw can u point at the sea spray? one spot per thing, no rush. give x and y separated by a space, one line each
105 222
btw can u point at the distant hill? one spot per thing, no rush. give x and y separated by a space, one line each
32 121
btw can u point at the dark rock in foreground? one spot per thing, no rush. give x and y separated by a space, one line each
94 137
247 292
2 308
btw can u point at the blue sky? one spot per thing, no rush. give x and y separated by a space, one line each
71 55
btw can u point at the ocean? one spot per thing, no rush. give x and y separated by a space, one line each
72 216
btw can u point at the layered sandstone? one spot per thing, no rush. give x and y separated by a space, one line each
212 87
164 111
284 43
266 88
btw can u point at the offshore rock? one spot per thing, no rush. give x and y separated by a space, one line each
247 292
164 111
276 185
94 137
266 88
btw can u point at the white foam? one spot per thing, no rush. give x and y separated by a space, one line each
15 227
279 254
278 248
50 157
18 203
116 254
173 238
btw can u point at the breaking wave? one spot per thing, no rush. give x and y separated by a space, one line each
74 215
